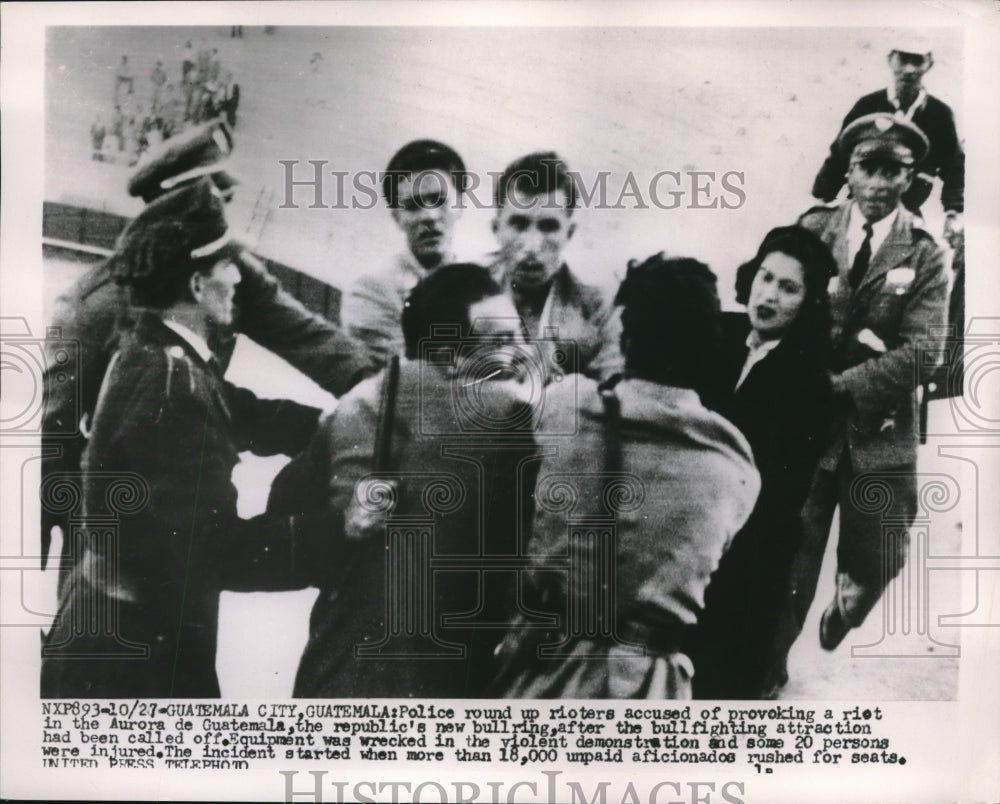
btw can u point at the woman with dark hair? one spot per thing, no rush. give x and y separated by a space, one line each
639 491
774 371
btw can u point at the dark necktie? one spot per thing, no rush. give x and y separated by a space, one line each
861 259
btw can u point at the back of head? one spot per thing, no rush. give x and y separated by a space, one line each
442 299
538 173
670 322
418 156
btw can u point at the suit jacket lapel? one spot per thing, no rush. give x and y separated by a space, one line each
835 236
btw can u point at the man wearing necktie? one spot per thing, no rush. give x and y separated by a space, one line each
888 303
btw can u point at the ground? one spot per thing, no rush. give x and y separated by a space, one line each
758 102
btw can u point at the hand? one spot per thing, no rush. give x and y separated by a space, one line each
364 521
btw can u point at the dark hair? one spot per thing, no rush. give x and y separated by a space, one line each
155 263
813 322
670 322
444 297
417 156
539 173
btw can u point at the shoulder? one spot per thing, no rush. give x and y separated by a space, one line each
816 218
562 401
160 369
361 400
923 239
397 274
873 101
938 107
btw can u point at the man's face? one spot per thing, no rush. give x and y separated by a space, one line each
496 345
877 186
216 290
533 230
908 70
426 211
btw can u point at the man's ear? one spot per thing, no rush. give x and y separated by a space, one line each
570 228
930 61
196 286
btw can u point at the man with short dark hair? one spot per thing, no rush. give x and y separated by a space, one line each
906 99
442 426
535 199
421 186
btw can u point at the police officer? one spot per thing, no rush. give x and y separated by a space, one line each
95 309
890 294
166 416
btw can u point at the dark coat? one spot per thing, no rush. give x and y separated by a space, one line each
784 409
94 312
945 159
167 426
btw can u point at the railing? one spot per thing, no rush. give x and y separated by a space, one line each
95 233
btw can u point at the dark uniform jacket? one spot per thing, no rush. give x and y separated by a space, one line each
784 408
903 302
167 427
946 159
96 310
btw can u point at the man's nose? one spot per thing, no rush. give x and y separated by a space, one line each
532 240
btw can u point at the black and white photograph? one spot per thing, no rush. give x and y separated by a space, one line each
500 402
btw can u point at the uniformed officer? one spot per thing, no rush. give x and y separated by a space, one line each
905 98
95 309
888 302
138 614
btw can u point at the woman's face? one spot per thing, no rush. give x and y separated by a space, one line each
776 295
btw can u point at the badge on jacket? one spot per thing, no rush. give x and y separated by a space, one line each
899 279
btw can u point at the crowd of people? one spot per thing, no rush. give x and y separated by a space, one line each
528 488
143 117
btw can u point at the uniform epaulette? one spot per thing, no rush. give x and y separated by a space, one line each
921 232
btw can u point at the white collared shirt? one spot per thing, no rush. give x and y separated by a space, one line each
198 343
759 349
905 114
856 232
